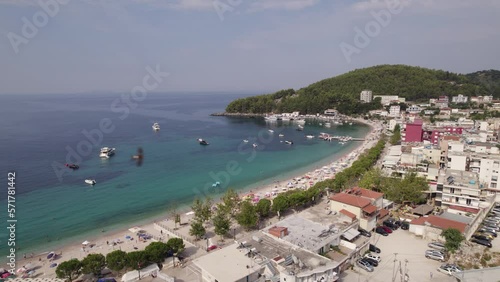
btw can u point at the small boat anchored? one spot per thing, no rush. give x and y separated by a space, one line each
310 136
289 142
271 131
156 126
106 152
255 145
281 135
245 140
90 181
202 142
73 166
216 184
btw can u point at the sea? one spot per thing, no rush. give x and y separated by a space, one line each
53 206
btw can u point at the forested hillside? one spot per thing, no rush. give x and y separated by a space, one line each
342 92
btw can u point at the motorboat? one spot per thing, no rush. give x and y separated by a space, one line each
350 123
328 124
73 166
246 141
310 136
300 121
106 152
255 145
271 118
271 131
281 135
300 128
289 142
216 184
90 181
51 255
202 142
156 126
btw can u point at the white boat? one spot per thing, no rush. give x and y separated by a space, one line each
328 124
156 126
289 142
350 123
270 130
246 141
271 118
90 181
106 152
285 119
310 136
255 145
300 121
281 135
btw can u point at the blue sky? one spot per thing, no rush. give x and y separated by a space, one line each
256 46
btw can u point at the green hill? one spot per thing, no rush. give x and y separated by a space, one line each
342 92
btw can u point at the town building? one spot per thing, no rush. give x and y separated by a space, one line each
394 111
459 99
413 109
366 96
388 99
363 203
413 131
460 188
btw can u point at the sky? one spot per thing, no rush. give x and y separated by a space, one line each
87 46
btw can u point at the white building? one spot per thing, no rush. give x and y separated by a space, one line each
394 111
366 96
459 99
413 109
460 188
387 99
229 264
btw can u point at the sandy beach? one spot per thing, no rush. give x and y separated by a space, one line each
162 230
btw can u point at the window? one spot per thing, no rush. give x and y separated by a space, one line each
452 190
468 202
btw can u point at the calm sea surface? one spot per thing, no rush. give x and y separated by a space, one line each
40 133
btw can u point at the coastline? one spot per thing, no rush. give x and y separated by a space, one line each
72 249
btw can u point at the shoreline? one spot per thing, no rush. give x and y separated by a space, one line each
73 249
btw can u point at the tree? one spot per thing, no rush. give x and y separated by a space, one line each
263 207
197 230
202 210
230 202
396 135
175 214
93 264
137 260
176 245
222 223
453 239
69 269
116 260
372 180
280 203
157 251
247 217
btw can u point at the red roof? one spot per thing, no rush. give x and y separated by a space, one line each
369 193
370 209
383 212
439 222
351 200
464 209
347 213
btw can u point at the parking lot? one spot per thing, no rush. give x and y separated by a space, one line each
400 248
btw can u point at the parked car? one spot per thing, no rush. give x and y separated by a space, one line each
364 232
449 269
405 225
391 225
371 261
387 229
436 245
372 248
365 265
482 237
372 256
487 231
482 242
435 256
381 231
491 226
213 247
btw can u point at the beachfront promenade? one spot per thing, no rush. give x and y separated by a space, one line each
164 229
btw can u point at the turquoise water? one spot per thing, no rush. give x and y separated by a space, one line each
176 168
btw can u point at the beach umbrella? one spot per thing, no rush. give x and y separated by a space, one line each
53 265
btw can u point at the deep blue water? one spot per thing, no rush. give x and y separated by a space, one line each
40 131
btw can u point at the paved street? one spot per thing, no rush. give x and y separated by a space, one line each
400 248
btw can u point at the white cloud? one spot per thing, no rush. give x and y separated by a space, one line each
282 4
